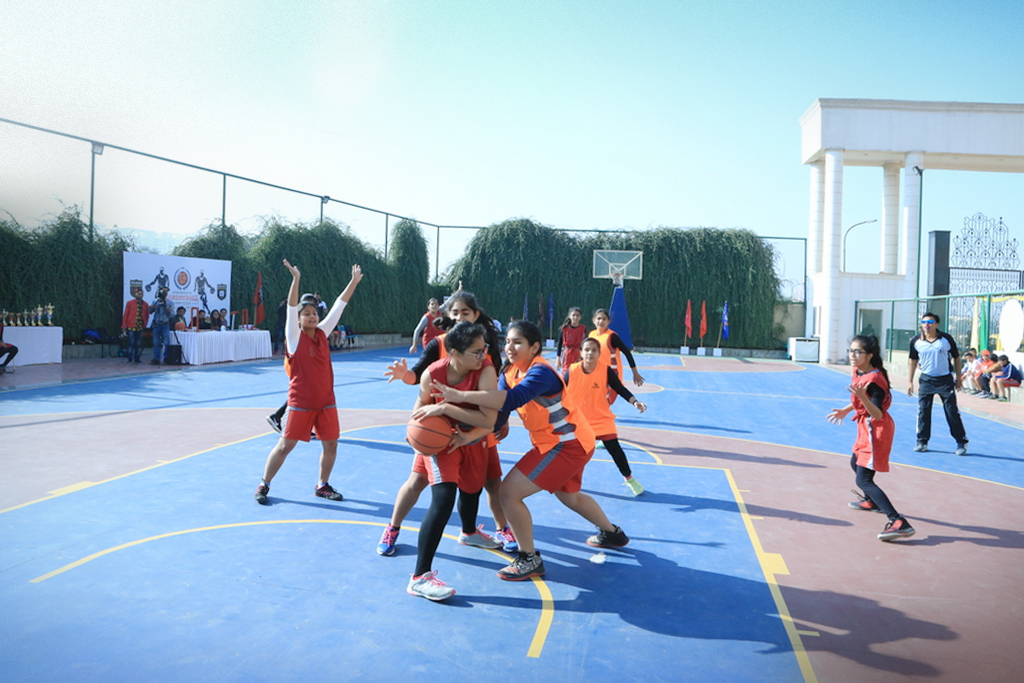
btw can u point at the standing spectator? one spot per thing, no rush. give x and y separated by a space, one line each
8 350
161 309
426 326
136 315
321 307
937 354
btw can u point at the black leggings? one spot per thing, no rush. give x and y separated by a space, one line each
613 448
866 483
10 351
442 502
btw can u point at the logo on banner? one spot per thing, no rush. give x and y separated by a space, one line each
182 278
222 292
134 284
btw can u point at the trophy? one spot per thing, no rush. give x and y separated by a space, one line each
26 319
49 314
39 315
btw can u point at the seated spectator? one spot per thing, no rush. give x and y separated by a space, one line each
178 319
215 320
1007 376
204 321
337 338
7 351
972 367
989 364
224 319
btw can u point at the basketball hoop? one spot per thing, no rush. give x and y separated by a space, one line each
617 277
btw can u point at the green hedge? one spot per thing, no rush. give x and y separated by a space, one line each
504 263
519 258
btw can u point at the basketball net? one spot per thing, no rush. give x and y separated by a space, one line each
617 277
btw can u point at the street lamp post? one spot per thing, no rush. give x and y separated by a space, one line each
873 220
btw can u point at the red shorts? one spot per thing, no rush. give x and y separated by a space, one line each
560 469
1011 382
480 464
301 422
443 468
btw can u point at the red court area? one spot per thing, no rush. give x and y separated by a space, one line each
747 564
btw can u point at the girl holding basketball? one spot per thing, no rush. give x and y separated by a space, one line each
311 405
462 306
588 383
611 346
563 443
869 401
466 367
570 337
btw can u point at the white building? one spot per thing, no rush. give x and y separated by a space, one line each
904 139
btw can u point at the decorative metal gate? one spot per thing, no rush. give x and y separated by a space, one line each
984 260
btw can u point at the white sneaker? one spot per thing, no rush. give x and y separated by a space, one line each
478 539
636 487
430 587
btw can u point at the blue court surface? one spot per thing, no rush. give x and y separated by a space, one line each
174 573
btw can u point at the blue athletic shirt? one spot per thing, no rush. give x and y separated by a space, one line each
934 356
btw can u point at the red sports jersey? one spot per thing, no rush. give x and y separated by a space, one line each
572 341
311 382
874 437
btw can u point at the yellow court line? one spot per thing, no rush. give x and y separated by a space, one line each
547 613
771 565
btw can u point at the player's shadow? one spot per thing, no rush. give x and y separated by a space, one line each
993 538
689 452
661 596
675 502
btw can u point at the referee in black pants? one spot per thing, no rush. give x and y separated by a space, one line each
937 354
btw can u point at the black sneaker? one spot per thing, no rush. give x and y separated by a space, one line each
525 566
898 528
275 423
864 504
609 539
261 494
327 492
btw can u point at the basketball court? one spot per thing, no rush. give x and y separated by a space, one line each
134 549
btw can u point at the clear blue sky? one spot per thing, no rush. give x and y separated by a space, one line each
576 114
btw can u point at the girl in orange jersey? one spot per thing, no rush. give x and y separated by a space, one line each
611 346
869 401
570 338
311 403
563 444
462 306
588 383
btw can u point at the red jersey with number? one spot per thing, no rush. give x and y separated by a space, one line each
311 382
874 437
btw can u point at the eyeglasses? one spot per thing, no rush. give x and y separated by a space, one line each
927 322
856 352
479 355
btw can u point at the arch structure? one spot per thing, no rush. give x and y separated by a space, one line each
903 138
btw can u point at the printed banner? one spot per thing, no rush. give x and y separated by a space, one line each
195 283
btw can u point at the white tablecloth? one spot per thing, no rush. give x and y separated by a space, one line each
200 348
36 345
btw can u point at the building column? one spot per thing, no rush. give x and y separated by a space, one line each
830 261
814 241
911 211
890 218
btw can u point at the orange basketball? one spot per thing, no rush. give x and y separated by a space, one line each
430 435
179 325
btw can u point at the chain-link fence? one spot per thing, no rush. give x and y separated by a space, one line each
972 320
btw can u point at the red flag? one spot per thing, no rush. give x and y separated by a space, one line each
703 320
257 299
689 321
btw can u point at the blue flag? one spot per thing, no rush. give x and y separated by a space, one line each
526 306
725 321
551 312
